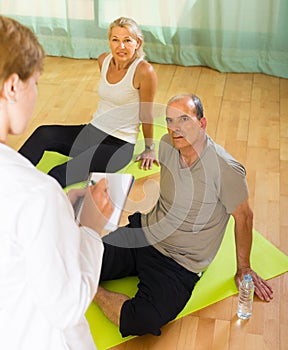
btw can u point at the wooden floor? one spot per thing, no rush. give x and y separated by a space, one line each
248 115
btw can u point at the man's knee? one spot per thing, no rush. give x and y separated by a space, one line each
139 317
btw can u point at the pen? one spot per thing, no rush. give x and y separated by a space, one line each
93 182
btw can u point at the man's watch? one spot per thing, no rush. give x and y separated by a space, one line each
150 148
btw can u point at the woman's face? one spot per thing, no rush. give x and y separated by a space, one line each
23 107
122 44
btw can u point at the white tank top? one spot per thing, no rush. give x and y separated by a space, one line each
118 109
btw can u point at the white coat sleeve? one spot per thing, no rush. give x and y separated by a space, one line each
63 262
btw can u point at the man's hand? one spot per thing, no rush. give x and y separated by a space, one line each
263 290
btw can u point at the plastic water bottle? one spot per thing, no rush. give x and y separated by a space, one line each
245 298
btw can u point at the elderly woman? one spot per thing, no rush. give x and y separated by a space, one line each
126 90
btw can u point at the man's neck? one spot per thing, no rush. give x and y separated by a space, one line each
189 155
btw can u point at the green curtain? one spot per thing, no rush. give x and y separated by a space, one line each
226 35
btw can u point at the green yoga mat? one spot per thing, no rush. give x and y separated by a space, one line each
217 283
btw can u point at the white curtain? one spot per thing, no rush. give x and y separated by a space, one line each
230 36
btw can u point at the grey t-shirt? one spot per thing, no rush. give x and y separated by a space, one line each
189 220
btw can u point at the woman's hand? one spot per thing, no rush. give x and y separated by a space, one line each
148 157
75 194
97 207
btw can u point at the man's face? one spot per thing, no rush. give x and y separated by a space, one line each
183 126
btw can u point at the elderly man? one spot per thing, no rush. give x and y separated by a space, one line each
169 248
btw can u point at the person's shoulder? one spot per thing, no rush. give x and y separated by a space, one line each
226 159
27 180
101 58
103 55
144 68
165 145
145 73
166 138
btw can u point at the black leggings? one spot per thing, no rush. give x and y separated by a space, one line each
91 150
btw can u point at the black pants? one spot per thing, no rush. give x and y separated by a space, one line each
90 150
164 287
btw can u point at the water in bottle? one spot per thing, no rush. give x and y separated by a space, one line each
245 298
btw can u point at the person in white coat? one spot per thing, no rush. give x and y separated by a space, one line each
49 264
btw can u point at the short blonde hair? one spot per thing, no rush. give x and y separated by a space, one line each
20 51
133 29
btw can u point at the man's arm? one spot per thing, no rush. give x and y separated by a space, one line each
243 217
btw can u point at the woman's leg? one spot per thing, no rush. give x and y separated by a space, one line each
91 150
58 138
105 154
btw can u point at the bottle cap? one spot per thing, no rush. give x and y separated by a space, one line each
247 278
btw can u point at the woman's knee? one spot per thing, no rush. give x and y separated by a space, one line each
44 132
34 146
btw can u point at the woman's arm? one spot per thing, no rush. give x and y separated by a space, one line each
146 80
100 59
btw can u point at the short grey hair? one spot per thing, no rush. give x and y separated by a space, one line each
196 100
